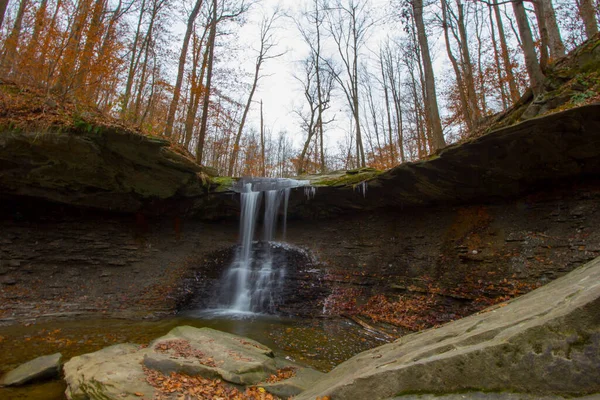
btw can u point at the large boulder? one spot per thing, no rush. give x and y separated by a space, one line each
41 368
545 343
211 354
125 371
111 373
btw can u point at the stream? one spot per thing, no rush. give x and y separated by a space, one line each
319 343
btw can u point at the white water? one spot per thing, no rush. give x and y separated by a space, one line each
255 279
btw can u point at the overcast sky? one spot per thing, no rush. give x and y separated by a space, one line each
280 92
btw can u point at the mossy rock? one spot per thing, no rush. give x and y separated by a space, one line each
348 178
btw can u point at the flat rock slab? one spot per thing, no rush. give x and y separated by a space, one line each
41 368
111 373
211 354
545 343
303 380
489 396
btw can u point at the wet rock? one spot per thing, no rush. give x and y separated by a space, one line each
111 373
41 368
211 354
545 343
303 380
117 372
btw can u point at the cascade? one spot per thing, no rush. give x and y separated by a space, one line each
254 279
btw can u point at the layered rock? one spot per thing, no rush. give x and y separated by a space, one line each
544 343
110 169
502 164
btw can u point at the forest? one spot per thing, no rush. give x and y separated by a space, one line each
400 79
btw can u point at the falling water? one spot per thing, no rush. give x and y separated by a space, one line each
254 278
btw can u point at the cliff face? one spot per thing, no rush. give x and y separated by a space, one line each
111 170
502 164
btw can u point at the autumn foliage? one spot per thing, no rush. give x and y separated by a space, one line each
196 387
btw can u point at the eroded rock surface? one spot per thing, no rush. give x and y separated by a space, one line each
211 354
544 343
41 368
111 373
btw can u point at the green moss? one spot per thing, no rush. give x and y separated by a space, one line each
222 183
351 177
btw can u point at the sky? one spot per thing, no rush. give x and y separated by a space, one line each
280 92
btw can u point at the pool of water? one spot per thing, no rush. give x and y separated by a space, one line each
319 343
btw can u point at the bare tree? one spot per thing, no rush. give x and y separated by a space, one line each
267 45
310 28
432 112
349 23
312 121
536 76
588 15
508 67
555 43
12 42
209 73
392 67
181 67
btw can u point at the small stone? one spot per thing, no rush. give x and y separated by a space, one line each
9 281
41 368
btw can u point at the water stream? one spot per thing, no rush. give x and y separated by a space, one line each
319 343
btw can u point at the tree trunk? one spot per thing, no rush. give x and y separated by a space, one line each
497 61
536 76
3 7
33 45
180 69
467 66
431 106
71 54
555 43
540 15
319 87
238 136
262 142
459 81
133 61
196 89
387 110
93 37
588 15
510 76
209 72
12 41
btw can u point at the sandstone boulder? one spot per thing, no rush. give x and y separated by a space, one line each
121 371
45 367
545 343
111 373
211 354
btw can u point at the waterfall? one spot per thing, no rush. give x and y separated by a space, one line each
254 279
